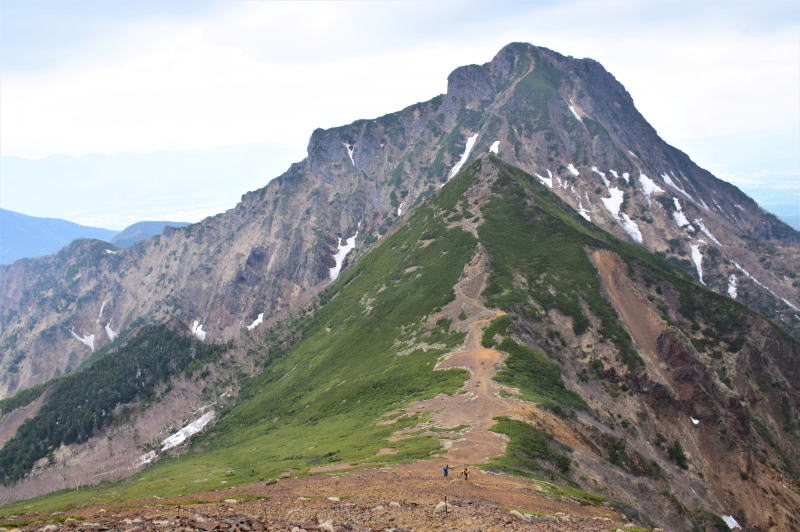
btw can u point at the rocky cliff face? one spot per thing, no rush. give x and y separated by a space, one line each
567 121
617 379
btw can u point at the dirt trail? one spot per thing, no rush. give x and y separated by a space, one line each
396 498
477 406
401 497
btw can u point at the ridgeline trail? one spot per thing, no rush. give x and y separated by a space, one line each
401 497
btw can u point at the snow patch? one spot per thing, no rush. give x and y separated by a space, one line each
111 334
631 228
614 202
186 432
730 521
256 322
601 174
146 458
573 170
110 252
671 183
668 180
495 147
583 212
197 331
632 154
649 187
697 258
625 175
762 285
574 112
341 253
87 340
732 285
546 180
464 156
789 303
704 229
680 218
694 421
400 208
100 314
350 149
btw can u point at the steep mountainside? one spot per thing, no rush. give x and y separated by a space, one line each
616 379
566 121
31 236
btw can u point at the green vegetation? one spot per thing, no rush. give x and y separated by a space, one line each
82 403
537 89
537 377
23 398
675 453
561 491
717 522
786 413
539 259
497 326
320 403
368 350
526 448
25 522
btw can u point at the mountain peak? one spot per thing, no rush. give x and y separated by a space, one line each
531 208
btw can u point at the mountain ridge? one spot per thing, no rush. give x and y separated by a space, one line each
352 385
362 177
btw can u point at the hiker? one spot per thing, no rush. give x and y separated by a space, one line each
446 469
465 473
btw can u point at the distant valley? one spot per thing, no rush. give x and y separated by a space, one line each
23 236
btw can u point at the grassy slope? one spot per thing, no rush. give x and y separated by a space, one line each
543 241
320 402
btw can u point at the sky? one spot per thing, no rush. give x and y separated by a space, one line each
115 112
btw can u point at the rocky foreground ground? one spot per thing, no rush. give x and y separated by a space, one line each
403 497
410 497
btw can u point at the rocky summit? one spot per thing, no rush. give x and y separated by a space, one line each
518 276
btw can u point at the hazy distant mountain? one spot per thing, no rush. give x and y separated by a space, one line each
29 236
142 231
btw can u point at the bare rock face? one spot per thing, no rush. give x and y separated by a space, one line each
689 399
568 121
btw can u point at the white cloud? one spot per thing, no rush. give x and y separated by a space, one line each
721 85
266 71
198 85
